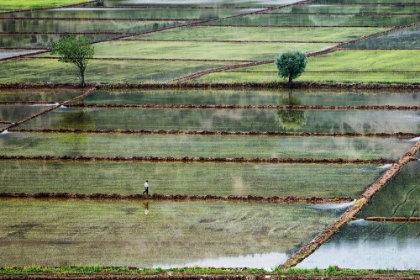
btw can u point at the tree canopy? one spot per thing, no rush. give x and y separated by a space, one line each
291 65
75 50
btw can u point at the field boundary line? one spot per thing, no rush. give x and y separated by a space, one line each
394 219
182 197
234 106
399 135
202 159
350 214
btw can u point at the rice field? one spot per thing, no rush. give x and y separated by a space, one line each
218 141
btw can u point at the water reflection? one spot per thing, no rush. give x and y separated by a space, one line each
267 261
370 245
290 119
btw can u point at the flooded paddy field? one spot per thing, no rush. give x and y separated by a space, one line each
242 120
252 97
400 198
129 13
129 145
152 234
196 157
302 180
370 245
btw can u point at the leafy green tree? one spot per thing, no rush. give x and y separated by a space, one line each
75 50
291 65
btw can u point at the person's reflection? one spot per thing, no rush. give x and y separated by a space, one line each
290 119
146 208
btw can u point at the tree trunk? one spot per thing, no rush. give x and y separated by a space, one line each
290 81
82 77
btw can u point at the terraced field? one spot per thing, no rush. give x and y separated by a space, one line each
242 172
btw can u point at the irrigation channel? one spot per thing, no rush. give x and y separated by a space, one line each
84 191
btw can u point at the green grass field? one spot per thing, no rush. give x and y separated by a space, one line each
243 33
36 4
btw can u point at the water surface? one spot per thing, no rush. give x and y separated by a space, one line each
370 245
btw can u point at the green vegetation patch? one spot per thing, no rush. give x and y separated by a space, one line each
199 50
129 145
82 26
230 33
244 120
304 180
399 198
316 76
36 4
318 20
152 234
44 70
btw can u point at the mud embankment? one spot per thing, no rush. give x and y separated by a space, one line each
394 219
252 107
203 159
181 197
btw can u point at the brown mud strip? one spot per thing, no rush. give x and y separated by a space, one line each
234 41
377 14
398 135
235 106
350 214
182 197
394 219
5 122
151 59
204 159
89 91
245 275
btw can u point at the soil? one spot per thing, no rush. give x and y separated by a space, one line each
380 161
182 197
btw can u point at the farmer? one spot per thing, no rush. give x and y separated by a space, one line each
146 187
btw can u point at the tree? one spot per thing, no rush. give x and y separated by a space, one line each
75 50
291 64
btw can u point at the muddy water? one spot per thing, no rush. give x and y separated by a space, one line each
370 245
149 234
51 96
